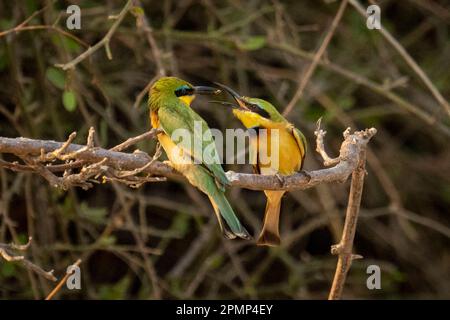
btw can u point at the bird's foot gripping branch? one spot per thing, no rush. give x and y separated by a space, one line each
344 165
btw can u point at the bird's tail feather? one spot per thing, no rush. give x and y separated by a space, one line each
270 235
229 223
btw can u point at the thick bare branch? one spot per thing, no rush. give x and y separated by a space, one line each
140 161
117 160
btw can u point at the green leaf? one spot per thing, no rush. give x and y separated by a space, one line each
3 59
116 291
137 11
96 215
6 24
8 270
67 43
346 103
107 241
56 77
69 101
216 262
22 238
253 43
31 6
181 223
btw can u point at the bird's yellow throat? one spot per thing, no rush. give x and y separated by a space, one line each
187 99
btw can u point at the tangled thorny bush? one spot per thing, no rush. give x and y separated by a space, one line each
162 239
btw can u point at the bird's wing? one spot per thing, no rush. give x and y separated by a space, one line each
301 142
192 134
253 150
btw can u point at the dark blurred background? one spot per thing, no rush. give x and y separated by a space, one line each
162 240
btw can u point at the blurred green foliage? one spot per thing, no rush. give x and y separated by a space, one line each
167 231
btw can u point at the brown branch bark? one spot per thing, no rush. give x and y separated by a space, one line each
120 161
95 161
62 282
346 164
344 248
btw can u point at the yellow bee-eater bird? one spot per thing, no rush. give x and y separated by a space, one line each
169 101
259 114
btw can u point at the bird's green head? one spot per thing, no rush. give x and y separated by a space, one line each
254 108
172 88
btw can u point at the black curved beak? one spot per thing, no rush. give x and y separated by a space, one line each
206 90
241 102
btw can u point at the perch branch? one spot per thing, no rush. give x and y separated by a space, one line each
116 162
127 167
93 161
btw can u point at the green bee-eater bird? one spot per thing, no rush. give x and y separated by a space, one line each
259 114
169 101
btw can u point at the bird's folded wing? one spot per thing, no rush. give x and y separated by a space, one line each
301 141
191 133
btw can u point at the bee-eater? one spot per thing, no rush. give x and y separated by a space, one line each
259 114
169 101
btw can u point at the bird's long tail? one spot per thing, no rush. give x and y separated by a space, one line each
229 223
270 235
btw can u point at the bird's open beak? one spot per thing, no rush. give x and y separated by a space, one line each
240 101
206 90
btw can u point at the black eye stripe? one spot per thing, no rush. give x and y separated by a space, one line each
184 91
256 109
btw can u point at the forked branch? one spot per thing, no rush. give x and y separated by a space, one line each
137 168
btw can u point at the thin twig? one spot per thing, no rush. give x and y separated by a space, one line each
298 94
6 252
132 141
62 282
144 25
23 23
285 47
409 60
102 43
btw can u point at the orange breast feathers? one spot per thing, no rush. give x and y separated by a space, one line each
154 120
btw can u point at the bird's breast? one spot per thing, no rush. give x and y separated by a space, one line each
278 152
178 158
